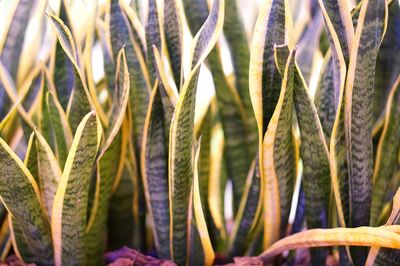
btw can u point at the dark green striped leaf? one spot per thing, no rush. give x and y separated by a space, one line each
153 37
81 102
69 212
386 156
155 173
173 37
387 66
181 135
278 161
21 196
314 153
121 35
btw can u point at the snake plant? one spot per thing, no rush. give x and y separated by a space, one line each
201 132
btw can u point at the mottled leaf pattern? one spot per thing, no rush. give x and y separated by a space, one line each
21 196
181 135
69 210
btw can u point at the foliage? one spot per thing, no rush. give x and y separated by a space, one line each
107 137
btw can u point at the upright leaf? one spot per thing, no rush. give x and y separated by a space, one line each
181 135
155 173
314 153
49 172
173 37
121 35
359 113
278 169
200 249
109 164
387 66
386 156
80 103
21 196
69 213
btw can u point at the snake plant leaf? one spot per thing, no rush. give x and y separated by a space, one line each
387 65
11 91
63 74
385 256
44 120
233 117
169 96
122 221
204 162
155 173
217 183
386 156
249 213
308 46
109 165
138 30
200 248
31 158
121 35
196 14
61 129
338 17
21 196
358 114
107 168
316 180
108 57
359 236
235 35
153 37
20 244
18 238
49 172
278 161
80 103
337 26
181 134
12 44
265 81
324 99
358 106
69 212
173 37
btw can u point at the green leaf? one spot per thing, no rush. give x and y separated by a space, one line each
358 113
200 249
155 173
121 35
358 106
81 102
314 153
386 256
173 37
278 159
153 37
237 151
12 44
386 156
181 135
63 73
49 172
20 194
237 41
265 81
387 66
69 213
248 214
60 126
